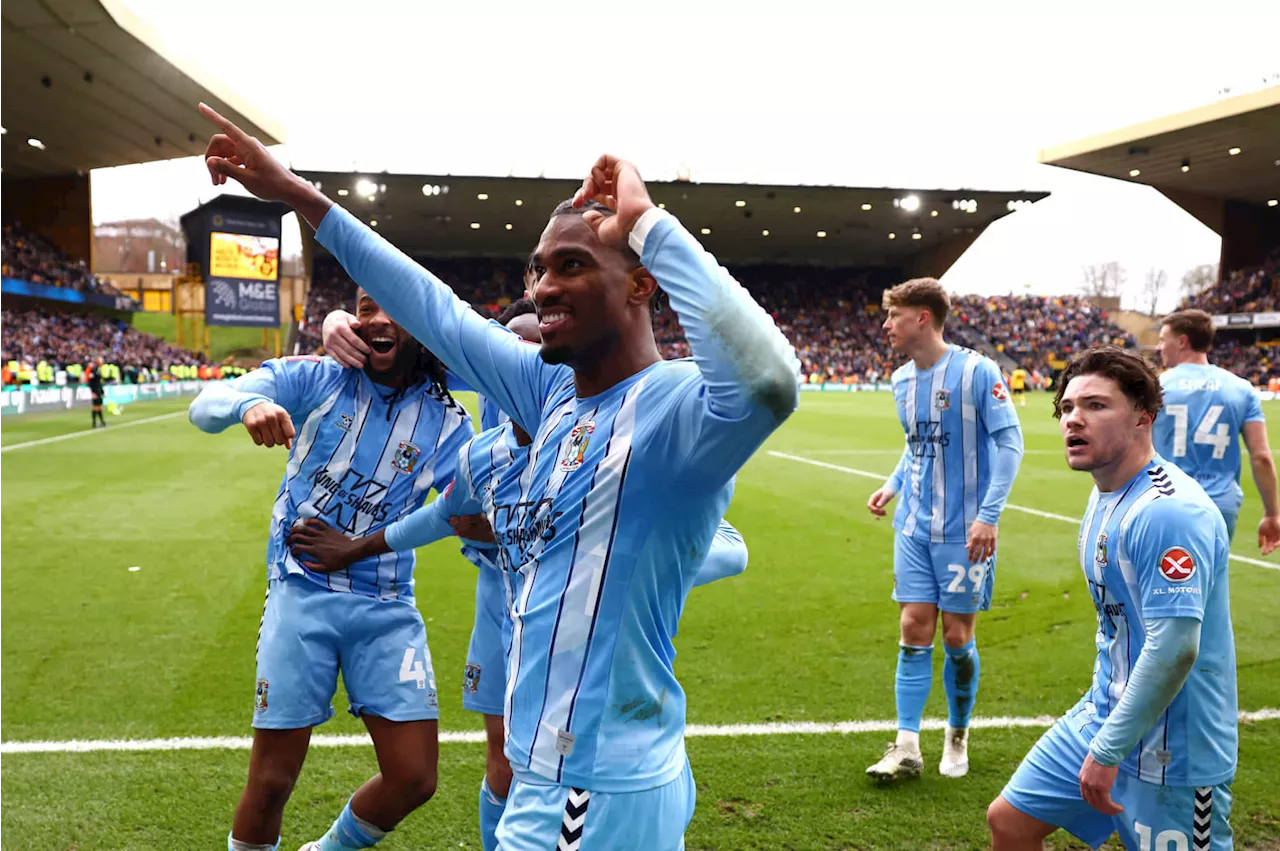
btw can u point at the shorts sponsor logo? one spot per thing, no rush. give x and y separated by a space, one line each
260 696
471 679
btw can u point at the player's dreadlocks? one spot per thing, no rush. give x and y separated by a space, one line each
427 369
565 208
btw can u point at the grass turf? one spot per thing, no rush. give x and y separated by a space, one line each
93 650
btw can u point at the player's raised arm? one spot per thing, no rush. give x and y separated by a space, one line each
482 353
726 557
750 371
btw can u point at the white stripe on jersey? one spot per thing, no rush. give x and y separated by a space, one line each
529 567
1150 768
302 445
575 625
938 507
969 441
913 493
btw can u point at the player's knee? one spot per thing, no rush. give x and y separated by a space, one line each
917 627
1002 821
270 789
417 786
956 635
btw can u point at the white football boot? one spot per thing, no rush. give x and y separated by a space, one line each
898 761
955 753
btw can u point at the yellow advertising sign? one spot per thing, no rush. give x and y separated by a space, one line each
238 255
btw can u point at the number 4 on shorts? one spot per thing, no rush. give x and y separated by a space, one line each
413 669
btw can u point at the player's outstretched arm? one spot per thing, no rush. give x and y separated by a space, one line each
249 399
488 357
750 371
726 557
1264 476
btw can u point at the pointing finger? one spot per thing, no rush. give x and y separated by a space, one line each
226 124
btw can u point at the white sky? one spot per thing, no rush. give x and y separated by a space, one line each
918 95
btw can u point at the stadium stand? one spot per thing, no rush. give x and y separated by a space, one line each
1033 329
62 338
29 257
1252 290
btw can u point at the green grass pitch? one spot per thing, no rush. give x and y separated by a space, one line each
93 650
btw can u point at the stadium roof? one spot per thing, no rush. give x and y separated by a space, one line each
1201 140
504 216
97 87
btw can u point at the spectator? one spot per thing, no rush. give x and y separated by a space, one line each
1031 329
28 257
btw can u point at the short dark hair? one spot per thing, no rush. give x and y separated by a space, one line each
1195 324
658 300
925 293
519 307
1135 376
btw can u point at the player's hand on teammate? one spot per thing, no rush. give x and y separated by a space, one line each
341 342
982 541
1269 534
473 527
1096 781
321 547
616 184
879 500
269 425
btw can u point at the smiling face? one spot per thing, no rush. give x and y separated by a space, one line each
582 290
391 352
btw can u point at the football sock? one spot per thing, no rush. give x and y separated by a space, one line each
960 677
350 832
234 844
911 689
491 807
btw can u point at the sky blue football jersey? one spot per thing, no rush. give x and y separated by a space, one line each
363 457
618 504
1157 548
949 413
1205 409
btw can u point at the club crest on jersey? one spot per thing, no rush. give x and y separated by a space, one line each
1101 555
576 450
943 400
346 421
1177 565
1000 392
471 679
406 457
260 696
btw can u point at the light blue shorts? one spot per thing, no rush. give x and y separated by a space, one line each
484 682
1232 517
1046 786
941 574
538 818
310 633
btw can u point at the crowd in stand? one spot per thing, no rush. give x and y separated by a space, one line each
61 338
1031 329
1252 290
30 257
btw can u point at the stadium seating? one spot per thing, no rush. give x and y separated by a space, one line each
1031 329
30 257
61 338
1252 290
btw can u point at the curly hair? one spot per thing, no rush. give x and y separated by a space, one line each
1134 375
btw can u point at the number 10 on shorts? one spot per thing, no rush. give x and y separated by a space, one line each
413 669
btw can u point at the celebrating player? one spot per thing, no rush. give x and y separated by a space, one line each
630 470
1206 411
1150 750
963 448
365 447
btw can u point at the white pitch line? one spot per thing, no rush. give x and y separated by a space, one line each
1046 514
42 441
696 731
